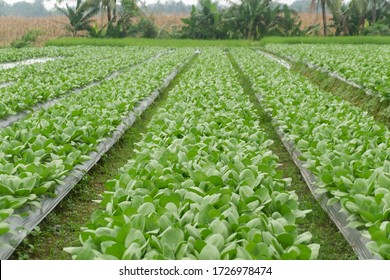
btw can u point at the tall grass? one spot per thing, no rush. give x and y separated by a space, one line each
150 42
327 40
218 43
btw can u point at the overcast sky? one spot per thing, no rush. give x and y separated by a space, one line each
49 4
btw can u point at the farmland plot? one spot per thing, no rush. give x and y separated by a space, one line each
363 65
345 148
36 153
203 183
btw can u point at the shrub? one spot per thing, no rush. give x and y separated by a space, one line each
27 39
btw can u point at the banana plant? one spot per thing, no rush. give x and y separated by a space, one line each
287 22
204 22
80 16
254 12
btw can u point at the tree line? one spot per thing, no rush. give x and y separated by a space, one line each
37 8
357 17
25 9
253 19
247 19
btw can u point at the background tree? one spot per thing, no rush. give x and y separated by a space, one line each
169 7
286 23
127 12
127 21
313 6
110 7
340 23
25 9
80 16
249 19
357 17
254 14
204 22
191 29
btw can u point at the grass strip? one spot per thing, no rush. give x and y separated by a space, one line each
327 40
151 42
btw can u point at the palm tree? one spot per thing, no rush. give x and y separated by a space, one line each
80 16
374 6
110 6
377 6
333 5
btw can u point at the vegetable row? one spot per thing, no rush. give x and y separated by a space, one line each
366 65
12 55
203 183
59 77
37 152
347 150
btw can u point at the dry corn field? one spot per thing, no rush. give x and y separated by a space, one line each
309 19
167 21
12 28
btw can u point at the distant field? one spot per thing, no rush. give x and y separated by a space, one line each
12 28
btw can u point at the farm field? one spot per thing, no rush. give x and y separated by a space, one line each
207 176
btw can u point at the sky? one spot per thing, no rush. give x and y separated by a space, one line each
49 4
